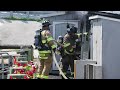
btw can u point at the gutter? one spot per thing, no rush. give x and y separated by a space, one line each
106 14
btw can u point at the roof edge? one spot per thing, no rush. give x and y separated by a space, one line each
103 17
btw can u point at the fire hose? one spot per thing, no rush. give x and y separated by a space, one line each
54 58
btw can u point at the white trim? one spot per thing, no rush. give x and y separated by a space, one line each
91 42
103 17
97 42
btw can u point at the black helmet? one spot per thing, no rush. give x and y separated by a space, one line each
46 23
72 30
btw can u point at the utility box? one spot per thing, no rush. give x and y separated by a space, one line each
79 68
105 45
93 71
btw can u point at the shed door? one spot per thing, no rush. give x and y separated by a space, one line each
59 28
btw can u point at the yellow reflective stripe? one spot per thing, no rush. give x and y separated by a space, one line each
79 35
48 51
71 50
43 57
45 77
85 33
43 41
66 44
49 39
72 73
42 54
58 52
65 73
53 46
37 75
67 52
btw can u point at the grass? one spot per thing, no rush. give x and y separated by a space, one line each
24 19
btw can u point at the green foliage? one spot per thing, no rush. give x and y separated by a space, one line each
24 19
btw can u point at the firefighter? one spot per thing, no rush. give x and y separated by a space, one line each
60 49
45 52
69 43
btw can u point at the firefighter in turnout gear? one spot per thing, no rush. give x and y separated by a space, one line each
69 43
60 49
45 51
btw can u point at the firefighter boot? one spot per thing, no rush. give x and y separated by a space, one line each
72 75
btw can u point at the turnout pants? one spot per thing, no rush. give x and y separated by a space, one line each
67 61
45 67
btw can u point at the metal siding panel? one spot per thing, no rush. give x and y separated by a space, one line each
111 49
